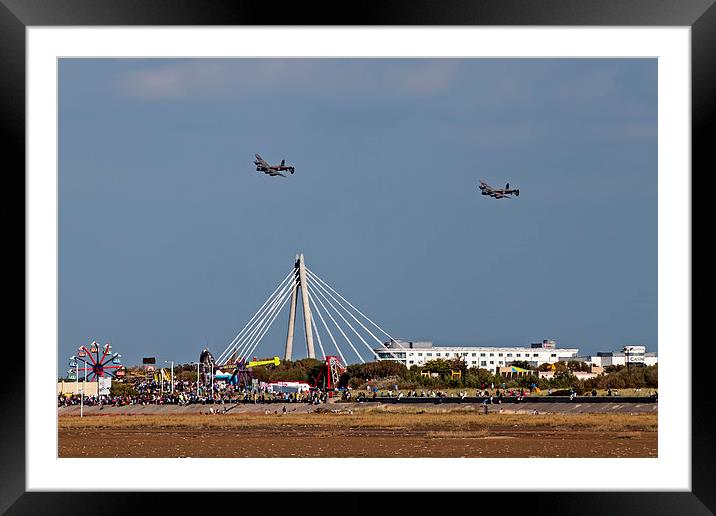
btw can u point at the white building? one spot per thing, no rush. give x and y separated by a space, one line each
412 353
632 355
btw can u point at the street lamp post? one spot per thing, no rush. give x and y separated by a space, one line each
172 363
82 394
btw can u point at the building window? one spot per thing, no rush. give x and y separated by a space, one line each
535 354
420 354
483 363
389 356
519 355
553 355
492 362
412 362
437 354
509 354
492 355
482 354
429 354
499 354
474 354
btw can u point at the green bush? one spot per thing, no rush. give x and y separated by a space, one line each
563 379
620 377
378 370
574 365
122 389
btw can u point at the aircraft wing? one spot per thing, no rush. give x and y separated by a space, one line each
261 161
276 173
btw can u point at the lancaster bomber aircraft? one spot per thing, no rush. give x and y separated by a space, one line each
498 193
272 170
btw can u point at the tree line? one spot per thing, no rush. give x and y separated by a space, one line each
438 374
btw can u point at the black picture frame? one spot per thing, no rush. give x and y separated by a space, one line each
699 15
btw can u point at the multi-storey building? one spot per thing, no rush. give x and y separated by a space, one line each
417 353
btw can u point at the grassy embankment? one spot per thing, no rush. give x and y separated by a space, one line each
457 420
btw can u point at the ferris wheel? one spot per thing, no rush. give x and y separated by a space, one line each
96 362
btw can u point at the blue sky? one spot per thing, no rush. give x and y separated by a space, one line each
169 239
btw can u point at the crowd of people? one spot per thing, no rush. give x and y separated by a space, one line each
151 392
395 393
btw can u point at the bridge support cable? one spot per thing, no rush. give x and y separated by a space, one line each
241 350
286 297
319 293
246 348
254 327
316 281
314 328
226 354
320 316
240 346
349 324
318 338
310 289
322 283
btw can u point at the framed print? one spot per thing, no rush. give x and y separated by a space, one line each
476 210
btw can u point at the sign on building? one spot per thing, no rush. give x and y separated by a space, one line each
634 359
634 354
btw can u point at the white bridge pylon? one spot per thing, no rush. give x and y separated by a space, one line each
343 323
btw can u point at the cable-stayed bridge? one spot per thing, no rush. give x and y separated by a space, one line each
343 328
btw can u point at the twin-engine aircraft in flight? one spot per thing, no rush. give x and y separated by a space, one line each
272 170
275 170
498 193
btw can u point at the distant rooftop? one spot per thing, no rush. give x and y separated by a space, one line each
409 344
398 343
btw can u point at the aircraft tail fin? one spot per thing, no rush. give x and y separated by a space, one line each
283 162
507 186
